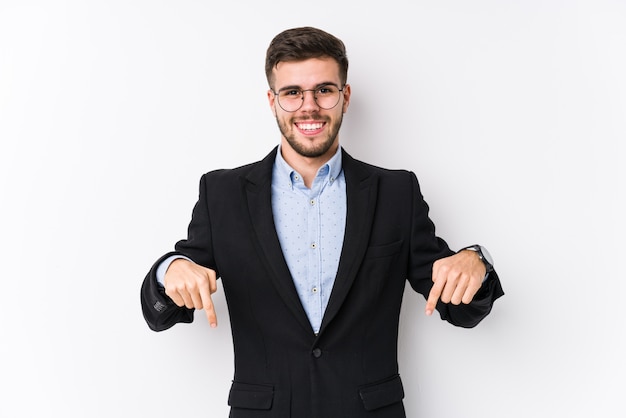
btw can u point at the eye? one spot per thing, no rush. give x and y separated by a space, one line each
326 90
291 93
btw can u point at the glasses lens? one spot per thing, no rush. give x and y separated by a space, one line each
326 97
290 100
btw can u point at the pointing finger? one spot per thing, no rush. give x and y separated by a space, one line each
435 291
207 301
433 297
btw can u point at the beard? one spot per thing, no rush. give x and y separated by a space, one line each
287 130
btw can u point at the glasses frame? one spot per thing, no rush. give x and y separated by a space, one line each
314 96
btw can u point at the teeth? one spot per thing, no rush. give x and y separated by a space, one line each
309 126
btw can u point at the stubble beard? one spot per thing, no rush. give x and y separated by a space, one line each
289 133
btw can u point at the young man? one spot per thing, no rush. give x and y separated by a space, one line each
314 249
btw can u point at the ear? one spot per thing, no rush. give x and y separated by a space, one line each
347 91
271 98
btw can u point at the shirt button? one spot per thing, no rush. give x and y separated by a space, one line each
314 290
312 202
314 245
317 352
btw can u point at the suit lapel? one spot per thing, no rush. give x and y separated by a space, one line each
257 192
361 190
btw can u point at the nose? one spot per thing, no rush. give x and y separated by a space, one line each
308 100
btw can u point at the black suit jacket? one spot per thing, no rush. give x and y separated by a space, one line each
282 369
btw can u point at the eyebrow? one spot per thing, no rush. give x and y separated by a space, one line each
296 87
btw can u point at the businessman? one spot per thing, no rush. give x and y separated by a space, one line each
314 249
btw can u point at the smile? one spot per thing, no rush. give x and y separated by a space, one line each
310 126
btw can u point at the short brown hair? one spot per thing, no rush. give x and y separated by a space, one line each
303 43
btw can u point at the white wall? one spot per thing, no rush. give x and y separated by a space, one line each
512 114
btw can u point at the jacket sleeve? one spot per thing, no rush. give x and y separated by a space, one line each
426 248
159 311
470 315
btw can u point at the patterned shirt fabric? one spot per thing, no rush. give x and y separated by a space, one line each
310 224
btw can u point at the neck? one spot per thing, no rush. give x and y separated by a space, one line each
306 166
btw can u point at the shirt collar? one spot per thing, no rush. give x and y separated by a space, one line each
284 174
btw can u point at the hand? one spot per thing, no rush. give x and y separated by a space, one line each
191 285
456 279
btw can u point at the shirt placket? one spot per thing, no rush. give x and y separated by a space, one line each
314 272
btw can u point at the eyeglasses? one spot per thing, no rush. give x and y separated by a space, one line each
292 99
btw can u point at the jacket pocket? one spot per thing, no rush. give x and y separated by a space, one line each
377 251
381 394
249 396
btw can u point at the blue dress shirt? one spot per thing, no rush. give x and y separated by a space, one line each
310 224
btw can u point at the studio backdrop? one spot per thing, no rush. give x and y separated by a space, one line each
511 114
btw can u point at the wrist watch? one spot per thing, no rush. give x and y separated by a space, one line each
483 254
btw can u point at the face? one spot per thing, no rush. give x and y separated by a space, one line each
310 131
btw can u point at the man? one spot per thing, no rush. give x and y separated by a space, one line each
314 249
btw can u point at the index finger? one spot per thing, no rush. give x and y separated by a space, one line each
435 291
433 297
207 301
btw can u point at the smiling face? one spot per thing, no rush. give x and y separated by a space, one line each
310 132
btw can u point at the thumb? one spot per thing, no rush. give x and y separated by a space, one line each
211 275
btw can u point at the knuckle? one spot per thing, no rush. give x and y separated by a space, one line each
443 267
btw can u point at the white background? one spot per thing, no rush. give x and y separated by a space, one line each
511 113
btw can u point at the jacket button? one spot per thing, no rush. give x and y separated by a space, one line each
317 352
